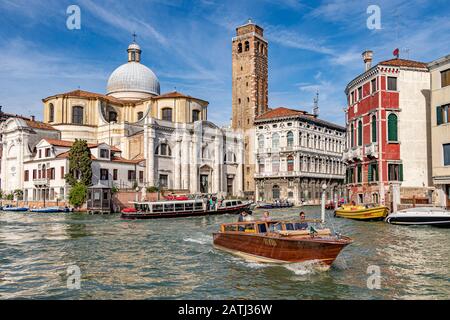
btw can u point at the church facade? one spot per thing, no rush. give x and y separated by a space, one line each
168 135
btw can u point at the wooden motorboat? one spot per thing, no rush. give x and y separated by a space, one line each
179 209
421 216
362 212
279 242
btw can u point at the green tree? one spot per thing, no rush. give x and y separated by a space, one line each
80 164
78 195
18 193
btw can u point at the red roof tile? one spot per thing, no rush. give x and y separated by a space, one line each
39 125
68 144
403 63
280 113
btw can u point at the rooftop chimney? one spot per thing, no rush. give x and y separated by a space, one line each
368 57
32 118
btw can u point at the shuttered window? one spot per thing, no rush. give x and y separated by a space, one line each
374 128
395 172
392 128
359 173
360 133
445 78
439 115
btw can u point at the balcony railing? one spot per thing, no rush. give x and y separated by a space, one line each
371 150
283 174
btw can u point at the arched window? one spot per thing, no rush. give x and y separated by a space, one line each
77 115
247 46
195 115
290 139
112 116
51 113
140 115
290 163
163 150
392 128
275 141
374 128
360 133
239 47
167 114
276 192
352 135
230 157
261 142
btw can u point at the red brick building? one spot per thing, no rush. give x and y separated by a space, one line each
388 132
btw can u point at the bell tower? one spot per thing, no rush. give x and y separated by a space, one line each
250 89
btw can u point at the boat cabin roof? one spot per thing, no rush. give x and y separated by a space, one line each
167 202
266 226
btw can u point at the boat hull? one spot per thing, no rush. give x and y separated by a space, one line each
378 213
261 248
50 210
199 213
15 209
441 222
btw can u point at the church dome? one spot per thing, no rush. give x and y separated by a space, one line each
133 80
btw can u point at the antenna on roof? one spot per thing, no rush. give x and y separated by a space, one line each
316 105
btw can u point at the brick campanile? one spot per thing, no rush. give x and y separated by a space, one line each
250 89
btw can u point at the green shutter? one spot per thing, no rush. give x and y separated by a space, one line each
360 128
352 135
370 173
439 117
374 129
359 173
392 128
400 172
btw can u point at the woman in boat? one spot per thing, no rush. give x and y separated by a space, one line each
242 216
266 216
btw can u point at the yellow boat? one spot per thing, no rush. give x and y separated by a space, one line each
362 212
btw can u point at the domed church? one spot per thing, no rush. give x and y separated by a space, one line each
167 134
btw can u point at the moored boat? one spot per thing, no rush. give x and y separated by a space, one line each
360 212
279 242
275 205
178 209
15 209
50 210
421 216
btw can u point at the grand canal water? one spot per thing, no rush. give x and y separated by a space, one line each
175 259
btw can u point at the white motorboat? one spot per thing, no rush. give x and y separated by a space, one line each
432 216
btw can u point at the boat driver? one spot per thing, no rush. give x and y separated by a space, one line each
302 225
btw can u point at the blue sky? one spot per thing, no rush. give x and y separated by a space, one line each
314 45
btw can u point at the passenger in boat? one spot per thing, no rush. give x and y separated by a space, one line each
302 225
266 216
249 216
242 216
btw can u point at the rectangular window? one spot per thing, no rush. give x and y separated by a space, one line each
163 180
360 93
104 173
62 172
374 85
34 174
104 153
359 173
26 175
47 152
439 115
131 175
446 148
141 176
52 174
352 101
392 83
395 172
445 78
115 174
40 154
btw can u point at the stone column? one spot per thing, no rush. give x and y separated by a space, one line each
149 150
177 162
185 160
195 149
218 159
